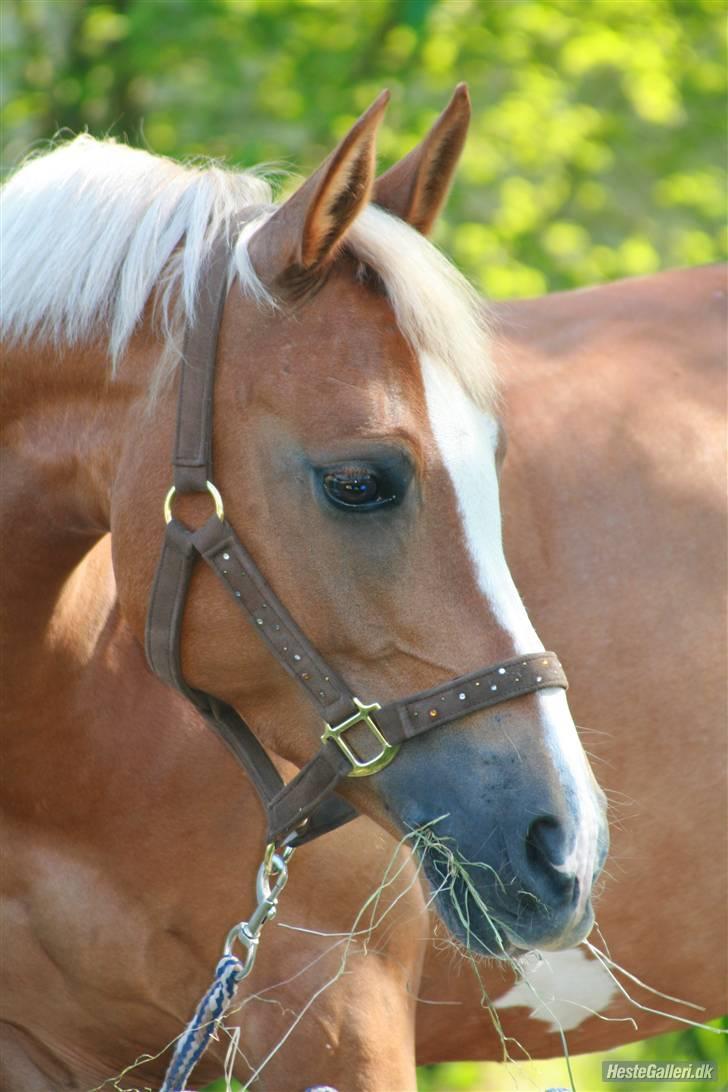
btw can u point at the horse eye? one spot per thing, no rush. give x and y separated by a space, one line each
357 488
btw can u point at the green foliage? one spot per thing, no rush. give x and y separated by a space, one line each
688 1045
597 147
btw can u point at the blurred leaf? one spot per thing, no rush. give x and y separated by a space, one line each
605 116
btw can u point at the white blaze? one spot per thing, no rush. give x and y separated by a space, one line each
466 438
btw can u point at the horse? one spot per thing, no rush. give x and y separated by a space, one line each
355 441
99 645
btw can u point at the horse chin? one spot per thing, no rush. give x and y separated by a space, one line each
480 934
492 935
480 937
570 938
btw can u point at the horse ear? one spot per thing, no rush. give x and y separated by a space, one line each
415 188
308 227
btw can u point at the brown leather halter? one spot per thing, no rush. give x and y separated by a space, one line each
305 807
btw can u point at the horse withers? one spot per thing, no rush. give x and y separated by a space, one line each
355 447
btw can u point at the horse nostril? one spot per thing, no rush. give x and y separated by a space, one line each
545 845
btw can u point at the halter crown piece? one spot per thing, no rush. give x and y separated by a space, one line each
306 807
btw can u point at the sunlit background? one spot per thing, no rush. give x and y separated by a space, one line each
597 151
597 146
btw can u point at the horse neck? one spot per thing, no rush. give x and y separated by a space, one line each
63 425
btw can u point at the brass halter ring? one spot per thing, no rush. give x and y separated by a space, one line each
211 489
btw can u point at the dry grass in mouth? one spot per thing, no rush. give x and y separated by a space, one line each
457 884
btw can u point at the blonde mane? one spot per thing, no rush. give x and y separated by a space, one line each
93 230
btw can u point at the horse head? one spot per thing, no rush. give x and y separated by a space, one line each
356 446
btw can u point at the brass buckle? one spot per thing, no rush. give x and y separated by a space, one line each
211 489
362 716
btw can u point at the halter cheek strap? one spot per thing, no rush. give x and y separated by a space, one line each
358 739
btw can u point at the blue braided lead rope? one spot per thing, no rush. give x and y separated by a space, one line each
204 1024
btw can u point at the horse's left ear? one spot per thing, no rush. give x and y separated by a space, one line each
306 230
415 188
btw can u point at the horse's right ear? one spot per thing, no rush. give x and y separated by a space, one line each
415 188
306 230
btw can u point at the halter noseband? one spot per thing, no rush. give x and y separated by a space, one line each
305 807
